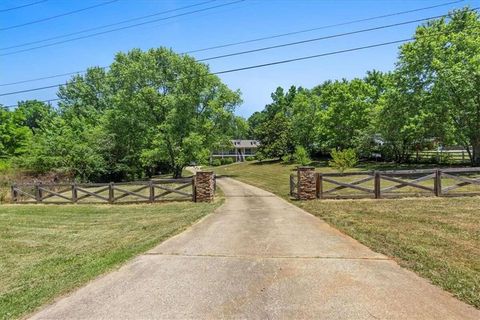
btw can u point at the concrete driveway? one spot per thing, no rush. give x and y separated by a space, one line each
259 257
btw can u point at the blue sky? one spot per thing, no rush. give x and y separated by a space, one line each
241 21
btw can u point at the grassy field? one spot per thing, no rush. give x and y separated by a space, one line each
439 238
48 250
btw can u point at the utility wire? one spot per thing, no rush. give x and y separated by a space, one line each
23 6
105 26
271 47
57 16
122 28
254 40
324 27
324 37
331 53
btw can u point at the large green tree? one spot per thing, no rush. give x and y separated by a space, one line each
169 108
347 110
150 110
443 62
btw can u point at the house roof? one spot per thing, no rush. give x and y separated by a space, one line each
245 143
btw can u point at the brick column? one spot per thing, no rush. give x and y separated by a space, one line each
204 186
307 183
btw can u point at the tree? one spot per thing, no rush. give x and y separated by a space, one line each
347 109
150 110
254 121
275 137
306 117
34 112
168 108
14 135
400 126
443 62
273 125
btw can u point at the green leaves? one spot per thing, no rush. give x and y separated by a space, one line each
441 70
150 111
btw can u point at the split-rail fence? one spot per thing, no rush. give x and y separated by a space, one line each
124 192
394 183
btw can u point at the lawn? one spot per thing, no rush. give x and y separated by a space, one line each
48 250
438 238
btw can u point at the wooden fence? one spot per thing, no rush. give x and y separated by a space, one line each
442 156
401 183
125 192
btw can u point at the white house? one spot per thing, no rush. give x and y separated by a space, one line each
239 151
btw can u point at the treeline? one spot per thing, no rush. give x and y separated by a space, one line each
150 112
430 99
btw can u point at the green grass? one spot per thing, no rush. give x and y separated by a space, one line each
439 238
48 250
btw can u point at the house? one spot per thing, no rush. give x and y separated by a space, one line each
239 150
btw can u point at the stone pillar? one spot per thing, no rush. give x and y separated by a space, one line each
307 183
204 186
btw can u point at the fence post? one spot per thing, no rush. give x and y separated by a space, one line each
38 193
319 187
152 192
110 193
14 193
194 190
438 183
204 186
377 185
291 185
74 193
306 183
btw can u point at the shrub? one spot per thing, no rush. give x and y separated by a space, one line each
287 158
446 158
301 156
216 162
260 156
343 159
227 161
250 158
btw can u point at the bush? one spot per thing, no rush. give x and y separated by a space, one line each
216 162
260 156
301 156
250 158
343 159
446 158
287 158
227 161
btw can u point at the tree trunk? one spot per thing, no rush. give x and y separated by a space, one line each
476 152
177 172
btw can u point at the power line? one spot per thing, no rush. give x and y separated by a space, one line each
331 53
122 28
57 16
324 37
324 27
257 39
270 47
105 26
23 6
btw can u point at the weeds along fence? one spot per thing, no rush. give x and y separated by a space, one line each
125 192
390 184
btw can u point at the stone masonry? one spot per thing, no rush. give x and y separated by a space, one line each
204 186
306 189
